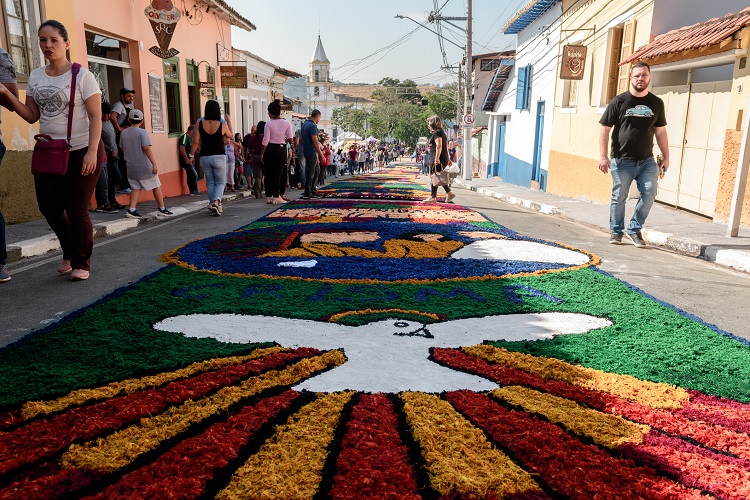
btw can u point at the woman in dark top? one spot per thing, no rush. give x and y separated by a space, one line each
210 135
253 143
438 157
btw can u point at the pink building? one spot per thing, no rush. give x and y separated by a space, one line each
168 51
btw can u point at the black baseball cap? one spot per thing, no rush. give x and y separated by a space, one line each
124 91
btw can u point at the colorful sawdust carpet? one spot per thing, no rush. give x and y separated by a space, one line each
395 183
376 349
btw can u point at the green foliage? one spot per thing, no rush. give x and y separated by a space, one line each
393 90
395 113
442 102
351 119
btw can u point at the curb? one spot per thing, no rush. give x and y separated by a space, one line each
35 247
736 259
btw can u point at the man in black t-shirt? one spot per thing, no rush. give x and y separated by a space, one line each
635 117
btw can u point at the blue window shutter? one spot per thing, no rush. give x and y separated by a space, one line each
521 98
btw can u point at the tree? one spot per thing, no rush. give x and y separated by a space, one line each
442 102
397 113
351 119
393 90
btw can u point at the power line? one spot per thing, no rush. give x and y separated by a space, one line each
392 44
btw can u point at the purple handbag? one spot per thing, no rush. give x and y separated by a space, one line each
50 156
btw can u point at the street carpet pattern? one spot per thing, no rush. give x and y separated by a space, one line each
392 184
376 348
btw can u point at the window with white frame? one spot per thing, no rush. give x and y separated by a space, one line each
616 78
570 93
22 21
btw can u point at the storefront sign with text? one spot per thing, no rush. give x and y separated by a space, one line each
573 62
163 16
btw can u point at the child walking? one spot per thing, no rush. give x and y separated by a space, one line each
135 145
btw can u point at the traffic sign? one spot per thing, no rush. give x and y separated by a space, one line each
469 119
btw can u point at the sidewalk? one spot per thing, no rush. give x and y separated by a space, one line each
666 227
30 239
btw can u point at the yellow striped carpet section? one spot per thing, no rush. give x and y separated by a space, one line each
653 394
122 447
290 464
129 386
606 430
458 456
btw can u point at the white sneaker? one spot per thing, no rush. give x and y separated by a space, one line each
431 199
449 197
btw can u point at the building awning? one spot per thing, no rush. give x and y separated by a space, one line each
527 15
234 17
498 83
707 38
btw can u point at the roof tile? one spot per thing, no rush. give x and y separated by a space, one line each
711 32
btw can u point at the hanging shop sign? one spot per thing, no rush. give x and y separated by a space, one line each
573 62
233 77
163 17
155 103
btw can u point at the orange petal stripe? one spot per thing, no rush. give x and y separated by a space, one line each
122 447
459 457
129 386
653 394
290 464
606 430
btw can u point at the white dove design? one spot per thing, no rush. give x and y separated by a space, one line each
387 356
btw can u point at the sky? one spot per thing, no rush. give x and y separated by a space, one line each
352 30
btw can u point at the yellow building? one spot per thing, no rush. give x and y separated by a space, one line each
699 70
610 30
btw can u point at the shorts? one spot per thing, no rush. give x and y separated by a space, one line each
145 184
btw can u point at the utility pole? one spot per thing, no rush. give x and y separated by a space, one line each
469 88
459 121
468 164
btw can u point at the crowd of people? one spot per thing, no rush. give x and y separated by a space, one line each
110 152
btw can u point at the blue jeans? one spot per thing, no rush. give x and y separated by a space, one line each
624 172
215 169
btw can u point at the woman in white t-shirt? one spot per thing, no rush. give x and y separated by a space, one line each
64 201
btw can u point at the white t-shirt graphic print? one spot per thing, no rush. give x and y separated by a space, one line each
52 95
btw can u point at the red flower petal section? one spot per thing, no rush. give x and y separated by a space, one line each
545 449
373 462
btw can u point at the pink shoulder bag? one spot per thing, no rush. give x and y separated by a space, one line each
50 156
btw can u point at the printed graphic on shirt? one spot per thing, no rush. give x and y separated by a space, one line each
640 110
52 101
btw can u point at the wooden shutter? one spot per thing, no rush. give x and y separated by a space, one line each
614 58
628 39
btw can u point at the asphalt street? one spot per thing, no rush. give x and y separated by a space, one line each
37 296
